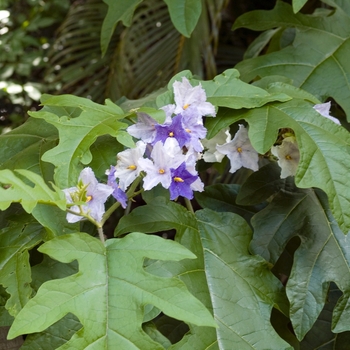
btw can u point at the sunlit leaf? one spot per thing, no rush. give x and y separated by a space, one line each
115 292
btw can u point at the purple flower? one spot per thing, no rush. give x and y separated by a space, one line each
175 130
194 127
118 193
89 191
181 181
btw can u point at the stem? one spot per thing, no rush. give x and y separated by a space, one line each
100 234
189 205
130 193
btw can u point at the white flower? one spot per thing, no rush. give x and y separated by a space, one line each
323 109
240 151
212 154
144 129
186 95
89 191
288 156
165 156
127 168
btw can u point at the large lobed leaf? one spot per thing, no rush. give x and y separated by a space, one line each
317 61
77 134
113 283
220 240
242 288
162 215
323 255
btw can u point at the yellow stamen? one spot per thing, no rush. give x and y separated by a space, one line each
131 167
188 130
88 199
178 179
161 171
171 134
288 157
186 106
239 150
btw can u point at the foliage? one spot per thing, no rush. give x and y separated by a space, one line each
185 253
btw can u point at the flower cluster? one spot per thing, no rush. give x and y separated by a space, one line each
165 153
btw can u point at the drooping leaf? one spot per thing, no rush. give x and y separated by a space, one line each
184 14
221 197
242 288
116 292
322 257
298 4
78 134
262 184
317 59
324 147
14 190
15 273
117 11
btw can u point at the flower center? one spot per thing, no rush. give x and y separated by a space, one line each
288 157
131 167
178 179
188 130
88 199
161 171
239 150
186 106
171 134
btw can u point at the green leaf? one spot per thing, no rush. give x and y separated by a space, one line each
117 11
298 4
320 336
324 147
227 90
53 220
14 189
262 184
53 337
321 258
242 288
115 292
162 215
104 152
184 14
15 273
23 147
221 198
317 61
79 133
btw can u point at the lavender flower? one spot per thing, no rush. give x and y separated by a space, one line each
89 191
